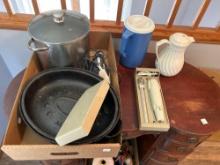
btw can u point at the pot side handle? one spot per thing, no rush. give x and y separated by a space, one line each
158 44
35 49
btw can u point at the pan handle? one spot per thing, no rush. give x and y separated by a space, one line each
35 49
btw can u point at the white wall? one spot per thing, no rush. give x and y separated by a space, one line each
160 12
5 79
2 8
204 55
13 49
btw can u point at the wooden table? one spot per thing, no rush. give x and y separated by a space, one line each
189 96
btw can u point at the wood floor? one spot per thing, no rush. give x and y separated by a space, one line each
5 160
214 74
207 153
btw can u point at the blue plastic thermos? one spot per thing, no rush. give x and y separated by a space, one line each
135 39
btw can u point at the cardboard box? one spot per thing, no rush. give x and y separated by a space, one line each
149 125
22 143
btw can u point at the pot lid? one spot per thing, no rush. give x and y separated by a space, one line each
139 24
58 26
181 39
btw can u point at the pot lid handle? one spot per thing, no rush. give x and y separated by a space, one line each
58 17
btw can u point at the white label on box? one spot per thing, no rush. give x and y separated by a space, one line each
107 150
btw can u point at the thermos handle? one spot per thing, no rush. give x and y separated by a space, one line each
159 43
35 49
124 41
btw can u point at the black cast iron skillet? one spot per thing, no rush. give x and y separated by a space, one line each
48 98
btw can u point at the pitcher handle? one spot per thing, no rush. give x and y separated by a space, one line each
159 43
125 37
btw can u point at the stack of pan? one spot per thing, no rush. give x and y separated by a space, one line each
48 98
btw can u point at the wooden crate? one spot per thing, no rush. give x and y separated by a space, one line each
22 143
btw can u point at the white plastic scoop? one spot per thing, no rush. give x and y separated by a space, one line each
156 99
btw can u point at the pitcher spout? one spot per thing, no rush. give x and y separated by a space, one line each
190 40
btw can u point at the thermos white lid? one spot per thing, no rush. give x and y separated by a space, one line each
139 24
181 39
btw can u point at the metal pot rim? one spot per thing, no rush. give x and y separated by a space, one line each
70 12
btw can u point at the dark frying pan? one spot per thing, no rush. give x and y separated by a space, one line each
48 98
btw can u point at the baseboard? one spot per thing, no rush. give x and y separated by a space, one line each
212 73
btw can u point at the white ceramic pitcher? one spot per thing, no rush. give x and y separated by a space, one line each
170 59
